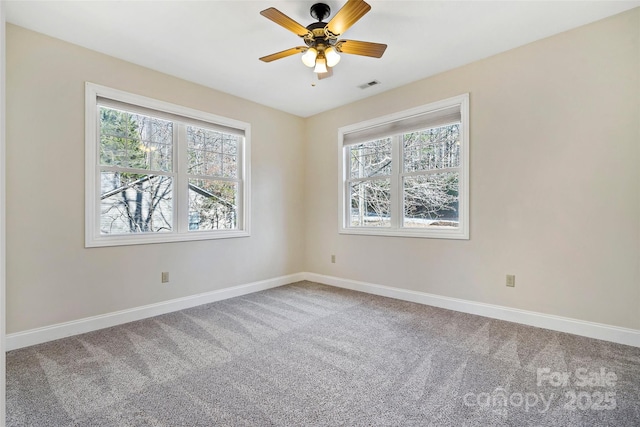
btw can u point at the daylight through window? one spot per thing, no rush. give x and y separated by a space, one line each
157 172
407 174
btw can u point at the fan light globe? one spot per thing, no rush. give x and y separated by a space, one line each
309 57
332 57
321 66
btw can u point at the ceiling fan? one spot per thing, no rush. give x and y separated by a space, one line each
321 38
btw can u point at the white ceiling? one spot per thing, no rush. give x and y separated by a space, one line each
218 43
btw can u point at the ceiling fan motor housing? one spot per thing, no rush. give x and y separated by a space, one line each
320 39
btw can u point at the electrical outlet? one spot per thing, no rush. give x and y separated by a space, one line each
165 277
333 259
511 280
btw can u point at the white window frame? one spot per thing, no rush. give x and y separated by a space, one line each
396 229
93 237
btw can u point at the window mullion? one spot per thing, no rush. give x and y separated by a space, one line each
396 183
134 170
94 152
346 187
240 185
181 189
424 172
369 178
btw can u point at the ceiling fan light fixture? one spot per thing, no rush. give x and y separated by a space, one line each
309 57
332 57
321 65
321 38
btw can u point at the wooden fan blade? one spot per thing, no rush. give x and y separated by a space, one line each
283 54
283 20
326 75
347 16
356 47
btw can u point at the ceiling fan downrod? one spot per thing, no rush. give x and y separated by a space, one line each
320 11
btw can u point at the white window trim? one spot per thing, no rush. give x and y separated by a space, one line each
462 232
93 238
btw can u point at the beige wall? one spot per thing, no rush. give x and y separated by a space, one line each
555 187
51 277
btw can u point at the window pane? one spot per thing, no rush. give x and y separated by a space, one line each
212 205
229 166
370 158
230 145
212 164
431 200
134 203
114 151
197 138
135 141
212 153
205 163
370 203
429 149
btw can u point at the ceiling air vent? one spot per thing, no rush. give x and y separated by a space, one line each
368 85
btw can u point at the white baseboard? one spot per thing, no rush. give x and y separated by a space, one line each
532 318
556 323
88 324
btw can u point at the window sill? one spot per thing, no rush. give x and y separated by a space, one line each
126 240
430 234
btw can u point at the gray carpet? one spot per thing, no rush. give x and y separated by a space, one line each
309 354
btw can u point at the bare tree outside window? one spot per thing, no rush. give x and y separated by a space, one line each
370 170
213 171
136 202
431 159
158 172
406 174
429 163
132 201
